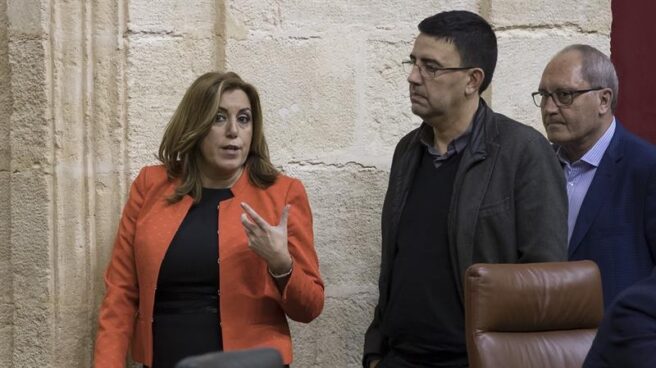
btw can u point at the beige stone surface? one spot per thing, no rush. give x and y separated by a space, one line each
173 17
25 18
87 87
356 16
321 68
160 68
346 201
6 292
587 16
32 246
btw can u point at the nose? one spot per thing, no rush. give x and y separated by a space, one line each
231 128
415 75
549 105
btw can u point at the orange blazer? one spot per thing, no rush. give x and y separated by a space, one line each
252 309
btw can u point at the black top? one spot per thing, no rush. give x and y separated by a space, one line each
424 319
186 316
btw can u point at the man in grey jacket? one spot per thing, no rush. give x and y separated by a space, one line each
469 185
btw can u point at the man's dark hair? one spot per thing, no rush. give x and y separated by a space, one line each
472 36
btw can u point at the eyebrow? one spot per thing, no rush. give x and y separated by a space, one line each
245 109
559 89
426 60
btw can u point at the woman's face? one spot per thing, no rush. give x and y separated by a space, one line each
226 146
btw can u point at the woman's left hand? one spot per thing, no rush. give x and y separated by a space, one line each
267 241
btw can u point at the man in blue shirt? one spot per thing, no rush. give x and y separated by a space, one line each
610 173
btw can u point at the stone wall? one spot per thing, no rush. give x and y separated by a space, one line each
86 88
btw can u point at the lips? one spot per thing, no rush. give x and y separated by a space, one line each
416 96
551 123
554 126
231 147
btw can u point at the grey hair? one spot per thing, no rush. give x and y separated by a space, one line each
597 69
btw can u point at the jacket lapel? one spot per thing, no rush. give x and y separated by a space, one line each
474 173
161 230
603 183
405 177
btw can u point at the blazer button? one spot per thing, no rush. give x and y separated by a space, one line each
218 260
218 292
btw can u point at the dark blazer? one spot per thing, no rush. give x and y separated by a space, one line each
508 205
616 226
627 335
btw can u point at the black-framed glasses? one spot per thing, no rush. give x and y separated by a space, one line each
429 71
560 97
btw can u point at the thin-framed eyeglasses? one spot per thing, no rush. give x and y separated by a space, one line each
429 71
560 97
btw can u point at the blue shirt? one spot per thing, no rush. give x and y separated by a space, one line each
579 175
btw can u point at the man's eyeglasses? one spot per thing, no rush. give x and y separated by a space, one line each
560 98
428 71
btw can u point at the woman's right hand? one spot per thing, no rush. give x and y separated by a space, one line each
266 240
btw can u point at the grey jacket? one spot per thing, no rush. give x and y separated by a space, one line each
509 204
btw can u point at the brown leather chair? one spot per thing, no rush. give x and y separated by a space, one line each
531 315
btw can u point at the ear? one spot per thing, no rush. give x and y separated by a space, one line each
476 76
605 100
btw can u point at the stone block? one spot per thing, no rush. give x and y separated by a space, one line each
160 69
74 336
173 17
336 338
32 262
344 15
34 335
307 90
6 333
31 242
6 277
5 239
586 16
5 91
346 203
387 97
31 136
25 18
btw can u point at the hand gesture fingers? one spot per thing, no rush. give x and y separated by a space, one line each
257 219
266 240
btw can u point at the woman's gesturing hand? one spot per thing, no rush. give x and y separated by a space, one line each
268 241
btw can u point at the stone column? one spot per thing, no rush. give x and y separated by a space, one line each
67 172
6 279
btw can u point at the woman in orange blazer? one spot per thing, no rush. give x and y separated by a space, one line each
215 247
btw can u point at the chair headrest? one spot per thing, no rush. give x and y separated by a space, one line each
252 358
533 296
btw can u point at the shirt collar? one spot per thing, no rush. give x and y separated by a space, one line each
457 145
594 155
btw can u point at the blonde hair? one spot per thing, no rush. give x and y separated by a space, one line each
179 150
